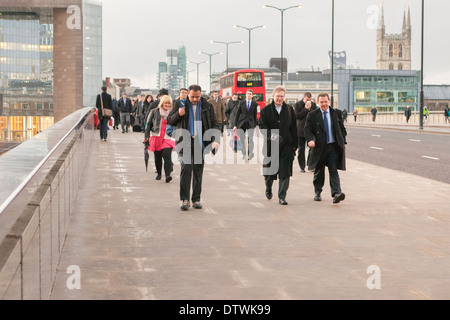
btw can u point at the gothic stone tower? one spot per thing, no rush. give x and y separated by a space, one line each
394 50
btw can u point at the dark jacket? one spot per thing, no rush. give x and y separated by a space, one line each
301 113
181 122
230 112
107 103
315 131
374 111
242 114
124 107
286 125
408 113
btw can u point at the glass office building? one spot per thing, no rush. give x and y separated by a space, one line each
92 52
28 87
387 90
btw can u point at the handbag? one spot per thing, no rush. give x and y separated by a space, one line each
106 113
235 143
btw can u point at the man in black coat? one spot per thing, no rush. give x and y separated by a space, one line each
104 101
326 134
125 107
278 125
245 122
302 109
194 121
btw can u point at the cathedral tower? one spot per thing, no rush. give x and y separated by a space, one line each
394 50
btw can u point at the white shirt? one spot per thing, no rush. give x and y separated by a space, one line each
278 108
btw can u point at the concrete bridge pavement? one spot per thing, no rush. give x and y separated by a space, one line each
130 239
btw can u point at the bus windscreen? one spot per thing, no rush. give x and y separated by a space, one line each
249 80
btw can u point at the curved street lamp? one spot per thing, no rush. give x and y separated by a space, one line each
282 27
249 40
227 44
210 65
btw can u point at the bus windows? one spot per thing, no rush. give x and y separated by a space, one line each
249 80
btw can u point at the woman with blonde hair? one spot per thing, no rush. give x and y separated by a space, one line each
159 141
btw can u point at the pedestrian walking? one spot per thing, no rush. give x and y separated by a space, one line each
355 114
245 123
326 135
125 108
374 113
116 114
193 120
407 113
219 109
148 100
155 104
277 121
426 113
302 108
344 115
104 101
160 143
446 114
230 112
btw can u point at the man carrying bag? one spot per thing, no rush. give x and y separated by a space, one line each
104 106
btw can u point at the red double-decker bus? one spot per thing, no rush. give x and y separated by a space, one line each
242 80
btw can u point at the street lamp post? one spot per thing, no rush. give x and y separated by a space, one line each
197 63
188 76
210 65
421 71
332 53
282 27
249 40
227 44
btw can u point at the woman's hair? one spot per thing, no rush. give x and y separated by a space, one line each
165 99
147 96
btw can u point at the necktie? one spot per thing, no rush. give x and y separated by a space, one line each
325 121
248 105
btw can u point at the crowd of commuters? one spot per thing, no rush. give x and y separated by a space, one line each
185 124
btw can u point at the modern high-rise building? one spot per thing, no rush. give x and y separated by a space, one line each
172 72
50 59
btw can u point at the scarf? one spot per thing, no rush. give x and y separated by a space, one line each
163 113
197 121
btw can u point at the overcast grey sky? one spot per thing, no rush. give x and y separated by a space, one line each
137 33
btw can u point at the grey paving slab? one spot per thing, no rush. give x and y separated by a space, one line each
131 241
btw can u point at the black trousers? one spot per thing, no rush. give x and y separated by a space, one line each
166 155
104 128
192 172
244 131
330 158
283 186
301 152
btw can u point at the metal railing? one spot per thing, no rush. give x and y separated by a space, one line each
41 179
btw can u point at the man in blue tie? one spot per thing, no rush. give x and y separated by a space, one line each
325 134
245 122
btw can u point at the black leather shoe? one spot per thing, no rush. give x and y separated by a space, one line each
168 179
158 177
269 195
283 202
338 197
318 197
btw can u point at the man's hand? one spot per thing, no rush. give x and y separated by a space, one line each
311 144
182 111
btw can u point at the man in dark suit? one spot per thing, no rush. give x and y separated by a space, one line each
326 134
104 101
125 108
245 122
302 109
278 125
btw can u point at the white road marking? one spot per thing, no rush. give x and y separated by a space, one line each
376 135
431 158
414 140
377 148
